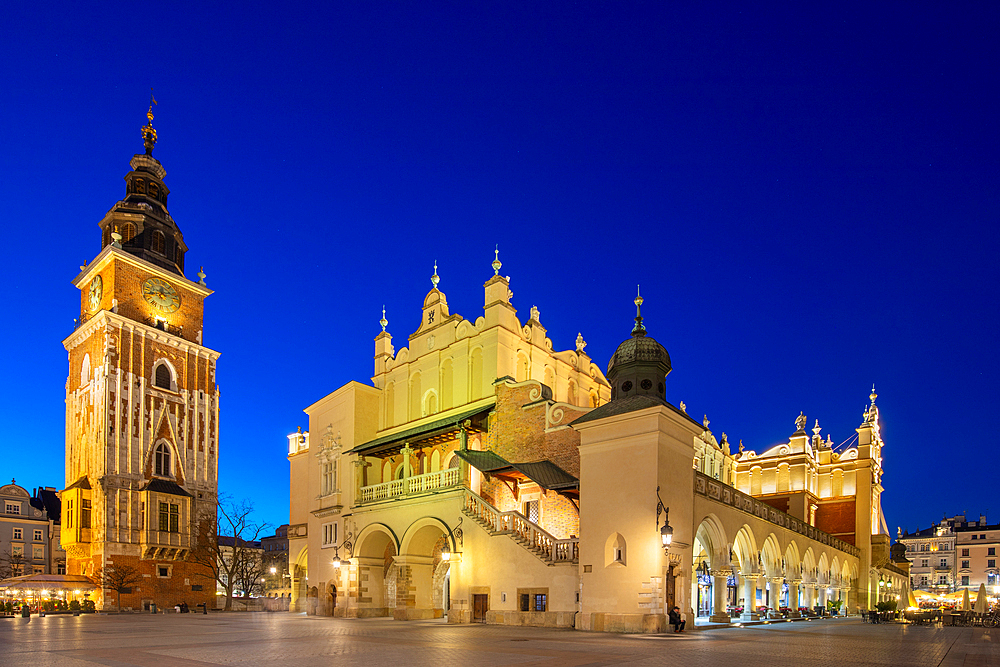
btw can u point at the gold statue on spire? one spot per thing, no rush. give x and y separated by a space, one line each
148 133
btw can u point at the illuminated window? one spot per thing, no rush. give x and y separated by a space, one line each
37 552
17 550
84 513
169 517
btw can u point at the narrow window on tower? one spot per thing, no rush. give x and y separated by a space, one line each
162 377
84 513
174 518
128 232
159 242
161 460
164 517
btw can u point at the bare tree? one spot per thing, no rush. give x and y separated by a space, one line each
249 572
119 578
13 564
225 545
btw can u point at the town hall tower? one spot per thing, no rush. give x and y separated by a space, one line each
142 406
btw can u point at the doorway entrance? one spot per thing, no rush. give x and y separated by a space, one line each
480 605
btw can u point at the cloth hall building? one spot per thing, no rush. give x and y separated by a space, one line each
487 477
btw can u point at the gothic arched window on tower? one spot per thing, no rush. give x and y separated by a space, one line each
161 460
128 232
159 242
162 378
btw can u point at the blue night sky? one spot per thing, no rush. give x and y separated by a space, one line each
807 194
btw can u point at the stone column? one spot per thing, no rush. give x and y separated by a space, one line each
774 587
750 598
719 614
821 590
793 599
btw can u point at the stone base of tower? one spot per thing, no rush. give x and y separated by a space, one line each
184 582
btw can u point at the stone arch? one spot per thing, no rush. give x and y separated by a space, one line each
376 543
390 401
571 392
440 585
430 402
793 562
522 367
770 556
615 551
447 398
300 577
549 379
415 396
85 370
420 552
712 536
162 362
476 373
823 569
435 461
745 549
710 547
386 470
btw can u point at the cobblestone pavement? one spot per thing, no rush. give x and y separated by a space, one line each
292 639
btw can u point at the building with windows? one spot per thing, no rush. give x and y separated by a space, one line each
142 406
931 552
275 559
978 544
486 476
953 554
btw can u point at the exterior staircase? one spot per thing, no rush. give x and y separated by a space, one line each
531 536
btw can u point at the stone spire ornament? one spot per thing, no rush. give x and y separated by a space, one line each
496 260
435 279
816 429
638 329
201 276
384 322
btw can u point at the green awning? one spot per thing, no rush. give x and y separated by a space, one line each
438 427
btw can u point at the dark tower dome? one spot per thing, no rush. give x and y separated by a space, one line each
640 365
141 220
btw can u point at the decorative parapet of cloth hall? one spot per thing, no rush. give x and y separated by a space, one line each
723 493
431 482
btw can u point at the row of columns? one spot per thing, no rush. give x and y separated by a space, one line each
814 595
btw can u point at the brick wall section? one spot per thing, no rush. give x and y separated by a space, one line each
518 428
165 592
123 282
837 517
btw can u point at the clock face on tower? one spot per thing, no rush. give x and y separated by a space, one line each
96 292
161 295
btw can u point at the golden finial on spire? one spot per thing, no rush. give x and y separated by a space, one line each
496 260
435 279
148 133
384 322
638 329
873 395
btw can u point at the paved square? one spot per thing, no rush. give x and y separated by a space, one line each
191 640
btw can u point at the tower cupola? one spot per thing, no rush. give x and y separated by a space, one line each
640 364
142 218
